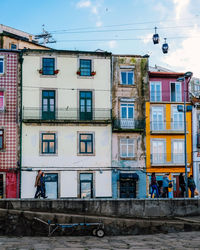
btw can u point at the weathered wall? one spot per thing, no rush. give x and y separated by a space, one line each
126 208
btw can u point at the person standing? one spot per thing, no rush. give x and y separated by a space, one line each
191 185
182 184
43 189
38 184
166 182
154 185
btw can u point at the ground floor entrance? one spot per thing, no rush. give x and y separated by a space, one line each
127 182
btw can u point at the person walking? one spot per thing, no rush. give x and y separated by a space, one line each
191 185
165 185
43 189
154 186
38 184
182 184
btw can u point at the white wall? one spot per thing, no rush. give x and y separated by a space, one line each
68 184
27 184
103 184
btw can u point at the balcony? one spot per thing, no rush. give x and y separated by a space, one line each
69 115
163 159
167 127
128 124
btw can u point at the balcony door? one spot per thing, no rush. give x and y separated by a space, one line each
48 104
178 119
157 118
158 151
85 105
127 115
178 151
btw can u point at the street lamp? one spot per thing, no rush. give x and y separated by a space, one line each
187 75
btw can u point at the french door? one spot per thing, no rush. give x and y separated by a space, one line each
48 104
85 105
157 118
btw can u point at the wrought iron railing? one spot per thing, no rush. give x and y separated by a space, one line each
128 124
165 159
66 114
167 126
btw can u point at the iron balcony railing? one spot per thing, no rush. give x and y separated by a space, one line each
128 124
167 126
168 159
66 114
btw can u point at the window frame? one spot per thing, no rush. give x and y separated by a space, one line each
91 181
86 142
181 98
155 83
127 71
3 139
127 146
91 63
173 156
55 143
164 149
3 60
79 153
42 66
13 44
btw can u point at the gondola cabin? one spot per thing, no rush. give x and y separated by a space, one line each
165 47
156 38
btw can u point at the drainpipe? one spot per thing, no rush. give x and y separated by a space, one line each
20 163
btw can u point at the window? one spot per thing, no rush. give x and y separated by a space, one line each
155 92
51 185
127 77
48 143
126 147
48 104
1 139
48 66
1 65
178 151
85 102
86 185
2 100
86 143
85 67
157 119
158 151
176 92
178 121
13 46
127 115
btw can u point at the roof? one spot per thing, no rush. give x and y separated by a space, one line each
129 55
165 74
104 53
10 50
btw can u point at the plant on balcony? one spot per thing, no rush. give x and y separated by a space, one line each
40 71
93 73
56 71
78 72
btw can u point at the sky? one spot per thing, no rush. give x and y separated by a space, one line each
117 26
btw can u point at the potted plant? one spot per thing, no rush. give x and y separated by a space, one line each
93 73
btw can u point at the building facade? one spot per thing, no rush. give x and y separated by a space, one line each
165 129
129 93
66 123
9 124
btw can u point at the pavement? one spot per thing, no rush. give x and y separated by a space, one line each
182 240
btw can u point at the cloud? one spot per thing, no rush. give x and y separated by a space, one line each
147 38
186 57
99 24
112 44
83 4
180 7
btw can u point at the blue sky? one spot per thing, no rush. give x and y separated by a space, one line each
103 24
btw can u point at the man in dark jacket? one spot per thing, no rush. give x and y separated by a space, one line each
154 185
182 184
191 185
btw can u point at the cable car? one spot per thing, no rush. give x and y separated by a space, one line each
165 47
156 37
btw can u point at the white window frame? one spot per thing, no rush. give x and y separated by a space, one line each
127 71
174 159
156 83
127 122
2 57
163 157
154 126
127 144
176 83
173 125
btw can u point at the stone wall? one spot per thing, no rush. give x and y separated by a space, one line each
124 208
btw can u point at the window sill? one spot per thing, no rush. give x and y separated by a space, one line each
48 76
56 154
128 158
2 150
127 86
85 77
86 154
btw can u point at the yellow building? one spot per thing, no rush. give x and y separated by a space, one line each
165 130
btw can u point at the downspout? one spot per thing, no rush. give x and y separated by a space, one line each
111 84
20 163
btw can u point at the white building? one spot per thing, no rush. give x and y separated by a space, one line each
66 123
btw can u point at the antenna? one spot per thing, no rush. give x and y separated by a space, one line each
45 36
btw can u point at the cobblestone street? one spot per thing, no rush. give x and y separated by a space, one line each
185 240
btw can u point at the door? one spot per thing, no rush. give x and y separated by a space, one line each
1 186
86 186
177 123
48 104
127 115
157 118
85 105
158 152
176 92
51 185
127 188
